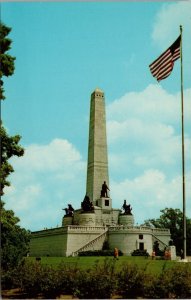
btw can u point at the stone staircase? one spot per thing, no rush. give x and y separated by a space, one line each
161 243
95 244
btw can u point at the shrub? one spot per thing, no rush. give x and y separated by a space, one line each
98 283
36 278
27 277
105 245
67 278
175 283
7 279
98 253
140 253
130 281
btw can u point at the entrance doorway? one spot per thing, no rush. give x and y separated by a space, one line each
141 246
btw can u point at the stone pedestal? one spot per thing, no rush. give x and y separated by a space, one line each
67 220
172 252
105 203
87 219
126 220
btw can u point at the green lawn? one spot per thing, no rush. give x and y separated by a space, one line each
149 265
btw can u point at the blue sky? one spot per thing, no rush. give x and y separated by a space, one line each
64 50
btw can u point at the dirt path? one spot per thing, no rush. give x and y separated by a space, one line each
17 294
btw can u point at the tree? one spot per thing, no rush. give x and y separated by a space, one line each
7 61
9 144
173 219
9 147
14 239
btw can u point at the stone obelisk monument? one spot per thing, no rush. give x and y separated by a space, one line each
97 168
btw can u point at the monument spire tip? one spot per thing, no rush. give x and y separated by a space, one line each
98 90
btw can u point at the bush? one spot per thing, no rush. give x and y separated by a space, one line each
160 253
174 283
50 282
98 253
7 279
105 245
98 283
140 253
130 281
93 286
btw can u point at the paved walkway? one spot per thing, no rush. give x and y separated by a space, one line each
188 259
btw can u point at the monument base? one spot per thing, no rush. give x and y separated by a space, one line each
104 203
126 220
67 220
87 219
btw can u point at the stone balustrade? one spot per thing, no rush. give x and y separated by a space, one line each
91 243
140 229
77 228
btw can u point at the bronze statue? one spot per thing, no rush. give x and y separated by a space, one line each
69 211
104 190
127 208
87 205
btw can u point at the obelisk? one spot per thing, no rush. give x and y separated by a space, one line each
97 167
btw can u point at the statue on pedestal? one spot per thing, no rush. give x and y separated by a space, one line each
87 205
69 211
104 190
127 208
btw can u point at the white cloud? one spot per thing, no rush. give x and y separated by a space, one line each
149 193
166 30
43 183
152 104
54 156
168 20
144 133
144 130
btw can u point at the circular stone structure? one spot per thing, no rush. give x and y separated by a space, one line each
126 220
67 220
87 219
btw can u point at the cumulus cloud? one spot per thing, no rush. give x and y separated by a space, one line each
55 156
166 30
42 183
149 193
154 103
168 20
147 126
144 133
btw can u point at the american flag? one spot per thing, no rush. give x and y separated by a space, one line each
163 65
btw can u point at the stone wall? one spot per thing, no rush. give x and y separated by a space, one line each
64 241
79 236
162 236
50 242
130 239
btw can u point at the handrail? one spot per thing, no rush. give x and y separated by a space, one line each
159 240
90 243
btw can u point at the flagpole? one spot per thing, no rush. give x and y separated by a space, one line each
183 161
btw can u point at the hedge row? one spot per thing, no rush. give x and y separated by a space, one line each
140 253
103 281
98 253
